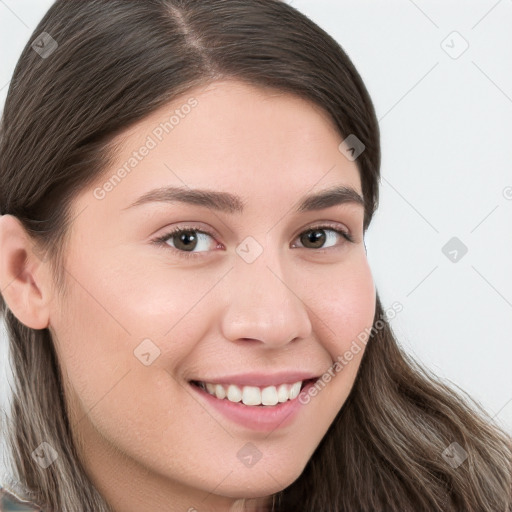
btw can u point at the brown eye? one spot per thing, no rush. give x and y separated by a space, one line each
185 241
317 237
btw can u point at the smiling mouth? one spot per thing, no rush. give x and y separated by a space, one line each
254 395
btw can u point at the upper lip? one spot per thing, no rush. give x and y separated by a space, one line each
261 379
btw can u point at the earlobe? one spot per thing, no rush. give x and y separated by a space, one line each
23 276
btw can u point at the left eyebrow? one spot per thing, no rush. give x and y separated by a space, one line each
229 203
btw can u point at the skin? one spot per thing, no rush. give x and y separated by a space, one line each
210 315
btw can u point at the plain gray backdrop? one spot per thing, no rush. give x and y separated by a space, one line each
440 78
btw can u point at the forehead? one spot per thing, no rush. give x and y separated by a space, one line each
234 137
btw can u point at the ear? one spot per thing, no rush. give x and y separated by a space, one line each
24 275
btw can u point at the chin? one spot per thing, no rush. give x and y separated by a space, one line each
259 484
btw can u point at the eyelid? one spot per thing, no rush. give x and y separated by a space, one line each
335 226
190 226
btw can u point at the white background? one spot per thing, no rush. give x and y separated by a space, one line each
446 126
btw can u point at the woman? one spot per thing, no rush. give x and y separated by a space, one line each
185 187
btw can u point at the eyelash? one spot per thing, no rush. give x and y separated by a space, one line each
162 240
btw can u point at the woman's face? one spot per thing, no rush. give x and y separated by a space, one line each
250 294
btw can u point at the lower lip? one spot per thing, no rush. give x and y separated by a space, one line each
266 418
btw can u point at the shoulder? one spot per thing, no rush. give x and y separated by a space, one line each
9 502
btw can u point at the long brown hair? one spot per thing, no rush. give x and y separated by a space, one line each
113 63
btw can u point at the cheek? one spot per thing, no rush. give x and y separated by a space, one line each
345 313
347 304
107 386
152 300
112 318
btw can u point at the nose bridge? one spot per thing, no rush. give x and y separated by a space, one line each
262 304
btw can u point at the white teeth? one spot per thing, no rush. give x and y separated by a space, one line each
282 393
219 391
269 396
294 392
253 395
234 393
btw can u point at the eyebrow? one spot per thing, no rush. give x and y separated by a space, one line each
229 203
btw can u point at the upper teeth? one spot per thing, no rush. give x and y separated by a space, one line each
252 395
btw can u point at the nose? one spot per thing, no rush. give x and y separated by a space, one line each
261 305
